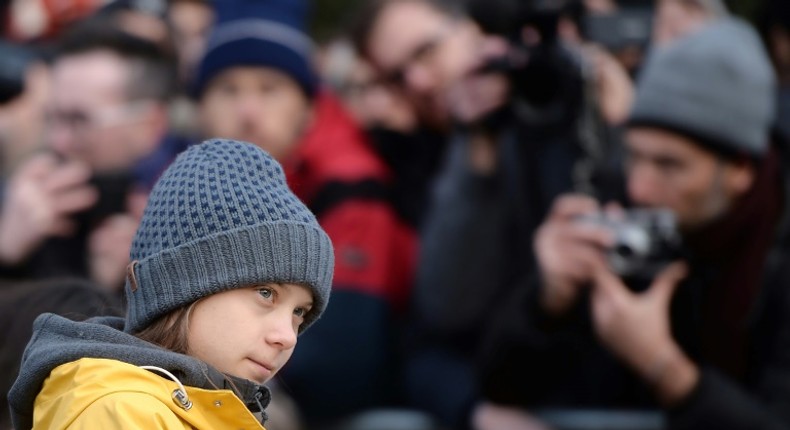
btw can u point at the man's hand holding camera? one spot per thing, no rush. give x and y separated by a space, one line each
568 252
48 198
40 199
635 327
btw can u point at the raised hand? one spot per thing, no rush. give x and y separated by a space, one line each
39 202
568 251
636 328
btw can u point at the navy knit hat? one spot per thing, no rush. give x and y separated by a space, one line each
222 217
715 85
269 33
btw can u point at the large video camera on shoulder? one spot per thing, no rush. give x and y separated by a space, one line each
546 78
554 94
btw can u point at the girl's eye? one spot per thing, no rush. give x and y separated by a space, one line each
266 293
300 312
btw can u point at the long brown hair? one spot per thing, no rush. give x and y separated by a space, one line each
170 331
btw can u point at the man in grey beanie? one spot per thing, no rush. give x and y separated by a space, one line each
227 268
705 343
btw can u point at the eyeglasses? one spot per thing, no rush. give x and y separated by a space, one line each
81 121
424 54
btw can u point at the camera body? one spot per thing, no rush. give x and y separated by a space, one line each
646 241
545 61
627 27
113 189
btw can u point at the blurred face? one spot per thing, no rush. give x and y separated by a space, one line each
91 118
259 105
375 104
435 52
251 332
668 170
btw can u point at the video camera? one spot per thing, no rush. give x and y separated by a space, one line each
546 77
557 71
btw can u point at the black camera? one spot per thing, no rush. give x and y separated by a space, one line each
646 241
546 77
113 189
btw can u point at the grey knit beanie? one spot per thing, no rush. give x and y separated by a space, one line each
222 217
715 85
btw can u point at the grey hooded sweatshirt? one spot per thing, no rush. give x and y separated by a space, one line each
57 340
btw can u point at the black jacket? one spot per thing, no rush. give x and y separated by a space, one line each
536 362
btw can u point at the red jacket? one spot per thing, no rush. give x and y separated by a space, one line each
338 175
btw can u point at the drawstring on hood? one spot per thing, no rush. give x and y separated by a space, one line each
262 397
180 395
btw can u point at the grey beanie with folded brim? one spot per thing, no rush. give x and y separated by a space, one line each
715 85
222 217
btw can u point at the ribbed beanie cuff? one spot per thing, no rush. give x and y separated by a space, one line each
285 252
222 217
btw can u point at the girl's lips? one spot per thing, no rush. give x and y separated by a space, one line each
263 371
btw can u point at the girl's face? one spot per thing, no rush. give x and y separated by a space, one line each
251 332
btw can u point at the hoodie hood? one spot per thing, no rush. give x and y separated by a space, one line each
57 340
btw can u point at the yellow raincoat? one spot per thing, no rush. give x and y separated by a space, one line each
93 393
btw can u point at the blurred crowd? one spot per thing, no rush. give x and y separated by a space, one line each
546 214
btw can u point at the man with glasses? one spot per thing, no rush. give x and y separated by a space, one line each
70 210
434 63
506 162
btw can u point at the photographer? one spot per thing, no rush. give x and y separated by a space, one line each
707 340
72 211
514 131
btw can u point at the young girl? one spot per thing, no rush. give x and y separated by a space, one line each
228 267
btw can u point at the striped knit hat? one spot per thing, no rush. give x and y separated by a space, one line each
266 33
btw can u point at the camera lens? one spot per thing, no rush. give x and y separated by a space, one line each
624 251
